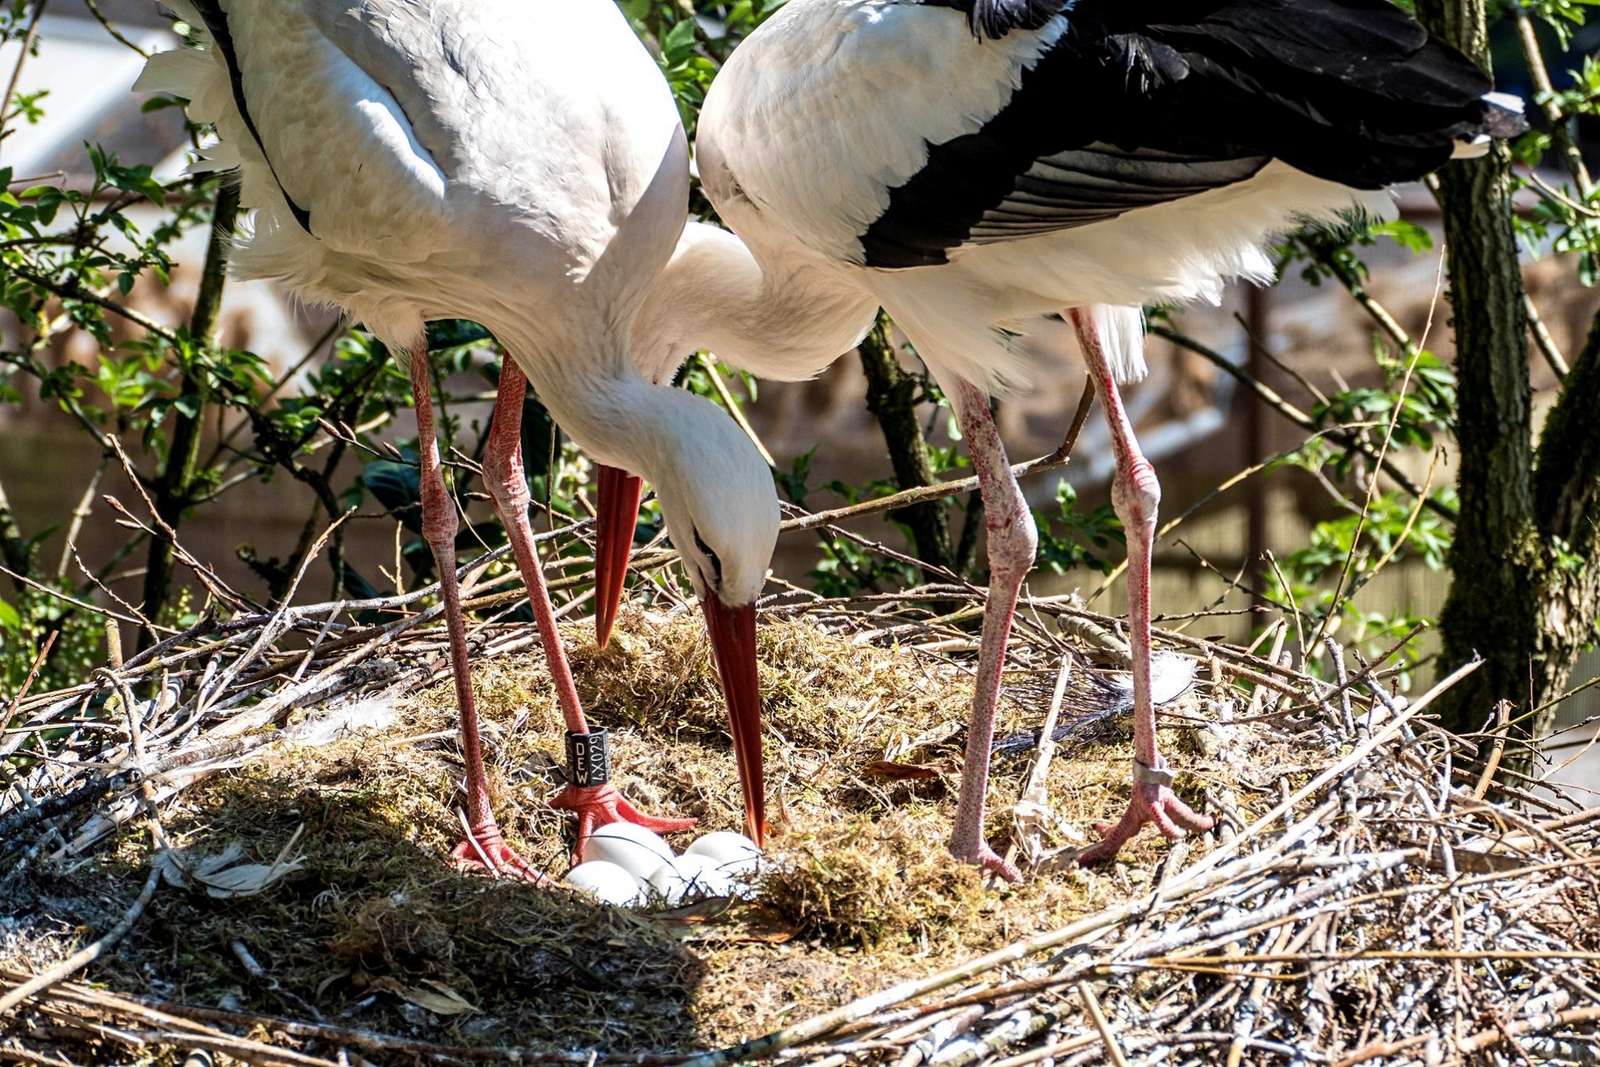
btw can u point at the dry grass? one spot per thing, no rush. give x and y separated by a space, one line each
375 928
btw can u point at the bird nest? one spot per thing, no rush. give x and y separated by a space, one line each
237 843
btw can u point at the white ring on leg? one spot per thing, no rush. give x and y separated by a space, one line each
1144 774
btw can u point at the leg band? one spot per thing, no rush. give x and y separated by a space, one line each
1144 774
588 759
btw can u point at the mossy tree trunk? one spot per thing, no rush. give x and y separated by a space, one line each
1526 587
892 396
175 486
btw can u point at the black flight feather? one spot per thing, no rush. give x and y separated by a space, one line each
1139 102
993 19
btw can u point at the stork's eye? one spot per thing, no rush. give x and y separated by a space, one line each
705 550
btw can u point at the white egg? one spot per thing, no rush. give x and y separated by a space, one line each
690 878
667 885
633 848
606 882
735 855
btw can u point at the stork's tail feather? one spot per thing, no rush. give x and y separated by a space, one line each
1121 331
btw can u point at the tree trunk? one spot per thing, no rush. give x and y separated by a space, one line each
892 399
1493 606
1566 499
176 484
1525 583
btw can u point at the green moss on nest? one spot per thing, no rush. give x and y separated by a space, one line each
872 883
863 891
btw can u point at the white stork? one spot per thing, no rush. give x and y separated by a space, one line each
975 165
521 165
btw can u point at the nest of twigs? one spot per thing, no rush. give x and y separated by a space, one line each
236 843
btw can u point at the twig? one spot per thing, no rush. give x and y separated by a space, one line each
1550 100
1415 350
1496 749
906 498
116 35
1543 341
1091 1004
734 407
82 605
15 79
74 291
33 674
1288 410
79 514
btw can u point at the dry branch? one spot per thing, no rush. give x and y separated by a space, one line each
1367 860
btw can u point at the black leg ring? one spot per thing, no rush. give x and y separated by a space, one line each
588 758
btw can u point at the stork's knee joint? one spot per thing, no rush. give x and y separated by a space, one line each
439 522
512 495
502 473
1136 495
1013 544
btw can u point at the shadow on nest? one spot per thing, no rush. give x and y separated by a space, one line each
374 928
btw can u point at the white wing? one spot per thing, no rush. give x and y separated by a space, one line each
325 151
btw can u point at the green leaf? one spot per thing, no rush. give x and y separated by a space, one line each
9 617
1407 235
678 43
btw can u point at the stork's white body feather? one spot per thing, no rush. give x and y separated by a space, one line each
521 165
825 81
416 137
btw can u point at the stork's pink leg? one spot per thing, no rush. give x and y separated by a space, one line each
487 848
1135 493
595 801
1013 540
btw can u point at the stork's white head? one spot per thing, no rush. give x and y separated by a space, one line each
719 502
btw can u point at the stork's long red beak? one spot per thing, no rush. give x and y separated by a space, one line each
733 641
617 502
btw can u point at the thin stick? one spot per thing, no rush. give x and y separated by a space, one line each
1274 400
79 514
906 498
33 673
22 58
1496 750
709 365
1092 1004
1032 804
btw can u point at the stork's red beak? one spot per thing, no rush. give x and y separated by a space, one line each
617 502
733 640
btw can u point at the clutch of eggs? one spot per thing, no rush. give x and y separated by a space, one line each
633 848
626 865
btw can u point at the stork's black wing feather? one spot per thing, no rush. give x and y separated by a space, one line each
216 21
1139 102
996 18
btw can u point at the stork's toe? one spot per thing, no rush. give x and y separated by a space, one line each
1150 803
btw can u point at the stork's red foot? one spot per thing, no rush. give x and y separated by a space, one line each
486 852
981 855
1150 803
601 805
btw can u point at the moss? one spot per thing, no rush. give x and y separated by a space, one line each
377 923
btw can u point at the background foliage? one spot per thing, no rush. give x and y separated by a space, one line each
70 258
